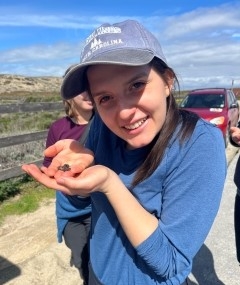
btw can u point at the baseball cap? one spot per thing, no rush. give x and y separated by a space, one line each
125 43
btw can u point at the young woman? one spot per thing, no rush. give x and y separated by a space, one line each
155 174
73 213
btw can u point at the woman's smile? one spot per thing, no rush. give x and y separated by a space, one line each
135 125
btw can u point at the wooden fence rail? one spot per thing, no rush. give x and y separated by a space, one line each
16 140
24 138
15 171
30 107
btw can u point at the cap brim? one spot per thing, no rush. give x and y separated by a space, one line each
73 84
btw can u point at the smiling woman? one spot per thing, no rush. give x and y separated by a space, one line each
149 177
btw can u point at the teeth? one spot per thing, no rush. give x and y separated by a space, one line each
135 125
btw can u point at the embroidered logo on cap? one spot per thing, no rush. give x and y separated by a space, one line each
94 43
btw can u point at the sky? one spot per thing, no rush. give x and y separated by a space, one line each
200 39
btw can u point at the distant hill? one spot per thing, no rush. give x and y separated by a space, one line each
15 83
12 83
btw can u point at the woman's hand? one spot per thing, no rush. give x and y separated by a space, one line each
69 152
235 134
63 152
94 178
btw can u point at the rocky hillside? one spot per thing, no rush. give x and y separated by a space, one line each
13 83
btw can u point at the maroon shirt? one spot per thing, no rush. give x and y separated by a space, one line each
63 128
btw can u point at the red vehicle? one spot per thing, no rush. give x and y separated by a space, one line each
216 105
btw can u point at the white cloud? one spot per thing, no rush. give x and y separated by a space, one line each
203 45
40 52
55 21
202 20
44 60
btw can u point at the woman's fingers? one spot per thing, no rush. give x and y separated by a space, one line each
37 174
67 152
67 145
95 178
68 185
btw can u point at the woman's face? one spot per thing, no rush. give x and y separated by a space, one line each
82 102
130 100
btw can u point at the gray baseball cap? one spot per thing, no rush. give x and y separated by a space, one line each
125 43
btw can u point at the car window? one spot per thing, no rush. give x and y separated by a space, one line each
230 98
203 101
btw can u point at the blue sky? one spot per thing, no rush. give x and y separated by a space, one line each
200 39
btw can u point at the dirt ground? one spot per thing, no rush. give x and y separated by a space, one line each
30 253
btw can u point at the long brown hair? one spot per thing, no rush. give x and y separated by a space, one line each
174 117
69 107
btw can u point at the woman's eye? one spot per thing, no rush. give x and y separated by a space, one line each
104 99
138 85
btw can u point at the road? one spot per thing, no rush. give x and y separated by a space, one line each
216 264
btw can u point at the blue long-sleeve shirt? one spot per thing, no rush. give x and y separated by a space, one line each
184 193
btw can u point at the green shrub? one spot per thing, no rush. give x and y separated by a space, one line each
29 195
9 188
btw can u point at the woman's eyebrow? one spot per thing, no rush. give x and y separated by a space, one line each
132 79
139 75
94 95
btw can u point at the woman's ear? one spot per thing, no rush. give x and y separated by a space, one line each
169 82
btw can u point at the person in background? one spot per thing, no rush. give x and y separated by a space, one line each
155 173
235 141
73 212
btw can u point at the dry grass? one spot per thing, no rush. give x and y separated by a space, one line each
24 153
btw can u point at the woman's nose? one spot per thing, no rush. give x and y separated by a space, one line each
126 111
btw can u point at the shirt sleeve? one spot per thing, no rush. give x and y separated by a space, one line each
51 139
